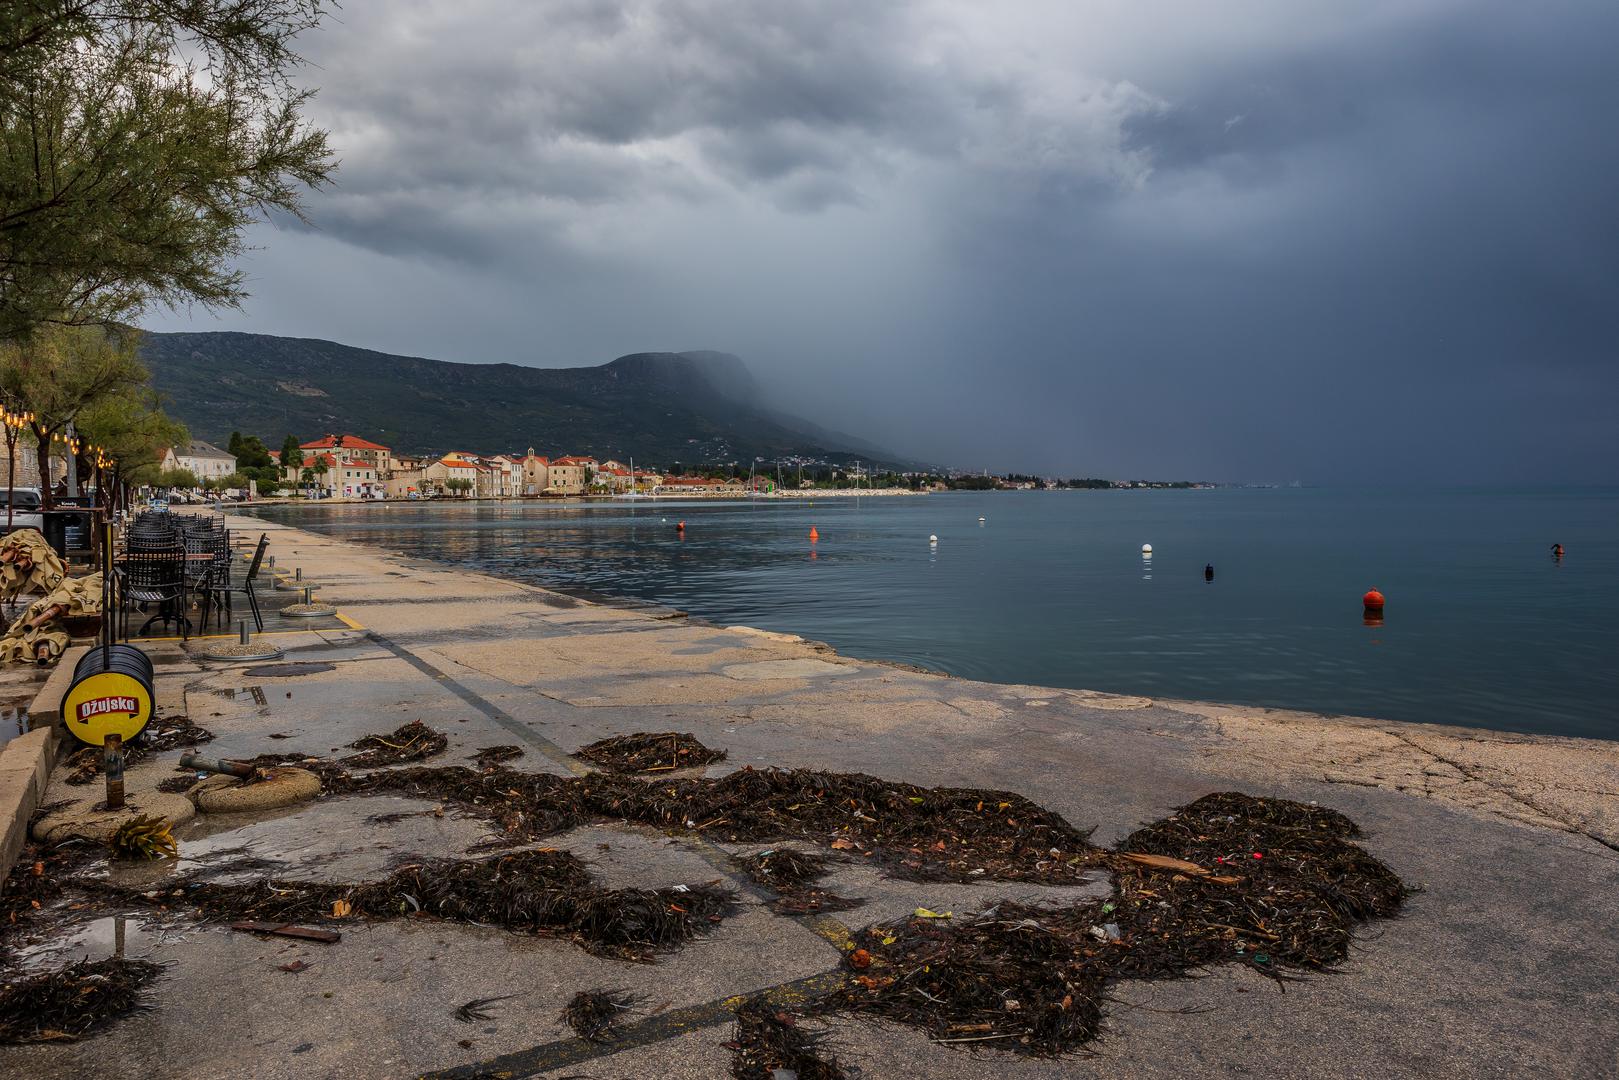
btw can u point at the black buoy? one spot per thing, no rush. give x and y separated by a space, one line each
1208 572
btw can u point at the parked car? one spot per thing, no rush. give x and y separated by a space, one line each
25 509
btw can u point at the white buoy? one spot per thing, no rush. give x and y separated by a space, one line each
932 539
980 521
1146 549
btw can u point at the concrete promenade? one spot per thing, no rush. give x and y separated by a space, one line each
1506 964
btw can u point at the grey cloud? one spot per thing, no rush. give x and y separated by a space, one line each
1173 239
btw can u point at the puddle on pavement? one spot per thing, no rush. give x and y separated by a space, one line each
340 839
287 671
13 720
249 693
100 938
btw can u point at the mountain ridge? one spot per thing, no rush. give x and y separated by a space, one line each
698 406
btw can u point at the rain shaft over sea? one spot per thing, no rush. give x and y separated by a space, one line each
1483 627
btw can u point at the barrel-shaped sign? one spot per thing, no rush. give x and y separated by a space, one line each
111 694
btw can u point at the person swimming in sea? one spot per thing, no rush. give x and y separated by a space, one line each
1557 551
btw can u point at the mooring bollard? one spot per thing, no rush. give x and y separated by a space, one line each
241 632
112 767
297 573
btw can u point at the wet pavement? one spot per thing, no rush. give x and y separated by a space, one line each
1512 838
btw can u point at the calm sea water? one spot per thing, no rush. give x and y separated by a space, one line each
1482 628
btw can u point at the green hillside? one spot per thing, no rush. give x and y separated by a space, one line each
659 407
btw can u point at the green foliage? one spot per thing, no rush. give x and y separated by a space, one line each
267 477
134 430
221 381
292 456
251 453
138 140
176 478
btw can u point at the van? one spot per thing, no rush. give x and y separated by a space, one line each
25 507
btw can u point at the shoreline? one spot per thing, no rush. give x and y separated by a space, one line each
1488 828
1267 707
1478 768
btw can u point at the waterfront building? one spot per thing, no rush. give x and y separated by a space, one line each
569 475
437 476
352 447
203 460
535 474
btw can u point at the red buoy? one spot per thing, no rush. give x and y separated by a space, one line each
814 536
681 527
1373 601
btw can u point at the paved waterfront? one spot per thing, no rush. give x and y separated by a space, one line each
1506 964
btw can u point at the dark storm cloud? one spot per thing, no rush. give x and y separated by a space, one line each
1249 239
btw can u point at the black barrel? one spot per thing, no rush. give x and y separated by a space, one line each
123 659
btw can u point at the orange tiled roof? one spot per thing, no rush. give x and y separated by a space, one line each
341 442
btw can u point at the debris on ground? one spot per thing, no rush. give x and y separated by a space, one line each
917 833
649 752
143 837
1266 883
409 742
542 891
35 879
478 1009
593 1014
178 785
771 1042
161 733
792 875
302 933
64 1004
1286 887
1013 977
490 756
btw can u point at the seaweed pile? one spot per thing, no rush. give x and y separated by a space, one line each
1282 887
648 752
161 733
916 833
792 875
1267 883
490 756
593 1014
771 1041
546 892
408 742
64 1004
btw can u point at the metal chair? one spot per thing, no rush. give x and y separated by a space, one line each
155 575
246 585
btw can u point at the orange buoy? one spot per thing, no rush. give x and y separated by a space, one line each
1373 600
814 536
680 527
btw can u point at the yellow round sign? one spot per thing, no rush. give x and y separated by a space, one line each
108 703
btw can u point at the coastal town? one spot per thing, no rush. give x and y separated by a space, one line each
347 466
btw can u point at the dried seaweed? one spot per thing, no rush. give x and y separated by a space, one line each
478 1009
1267 883
65 1004
490 756
593 1014
408 742
1013 977
924 834
649 752
770 1040
792 875
544 892
160 734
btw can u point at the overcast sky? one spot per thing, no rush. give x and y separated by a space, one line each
1366 241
